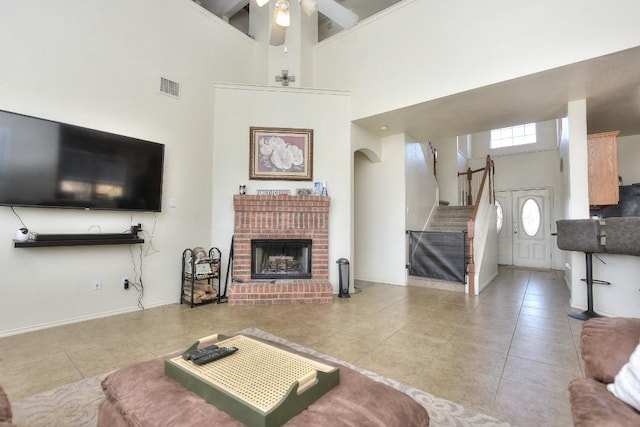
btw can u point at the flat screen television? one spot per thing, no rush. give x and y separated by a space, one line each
56 165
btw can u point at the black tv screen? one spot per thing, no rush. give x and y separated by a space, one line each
50 164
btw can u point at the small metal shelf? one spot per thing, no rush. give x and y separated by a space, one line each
190 276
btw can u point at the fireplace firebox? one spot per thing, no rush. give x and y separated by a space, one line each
280 259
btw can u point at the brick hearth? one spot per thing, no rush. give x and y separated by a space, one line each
281 217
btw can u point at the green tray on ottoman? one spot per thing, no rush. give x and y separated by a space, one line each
259 385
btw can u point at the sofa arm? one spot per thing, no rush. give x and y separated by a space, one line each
607 344
5 409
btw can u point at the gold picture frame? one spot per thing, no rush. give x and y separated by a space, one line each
281 154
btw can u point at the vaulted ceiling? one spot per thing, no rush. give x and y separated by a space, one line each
235 9
610 84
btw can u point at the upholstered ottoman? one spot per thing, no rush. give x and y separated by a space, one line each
141 395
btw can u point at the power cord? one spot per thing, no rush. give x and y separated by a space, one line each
18 216
138 283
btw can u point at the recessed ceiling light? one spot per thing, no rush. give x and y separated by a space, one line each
384 127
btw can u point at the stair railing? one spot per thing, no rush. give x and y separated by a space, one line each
469 183
486 195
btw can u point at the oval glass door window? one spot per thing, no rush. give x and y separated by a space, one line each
499 216
530 217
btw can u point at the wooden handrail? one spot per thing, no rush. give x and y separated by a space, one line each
489 165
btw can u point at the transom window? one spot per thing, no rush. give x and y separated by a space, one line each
513 135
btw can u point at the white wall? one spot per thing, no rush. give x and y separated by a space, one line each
379 209
381 52
98 64
326 112
421 187
487 265
447 168
577 193
628 158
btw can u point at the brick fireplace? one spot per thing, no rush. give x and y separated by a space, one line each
280 218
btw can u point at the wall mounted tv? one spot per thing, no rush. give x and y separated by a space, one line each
56 165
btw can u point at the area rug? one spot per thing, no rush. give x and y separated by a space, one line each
76 404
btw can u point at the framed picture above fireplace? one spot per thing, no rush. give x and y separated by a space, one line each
281 153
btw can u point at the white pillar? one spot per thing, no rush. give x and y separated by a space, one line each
578 206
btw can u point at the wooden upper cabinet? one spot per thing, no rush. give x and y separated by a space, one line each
602 150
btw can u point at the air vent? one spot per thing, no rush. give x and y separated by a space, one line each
169 87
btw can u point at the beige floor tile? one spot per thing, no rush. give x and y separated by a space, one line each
544 336
472 356
347 347
465 386
500 342
108 356
554 325
403 366
546 313
507 352
559 355
540 375
427 333
36 376
418 343
527 406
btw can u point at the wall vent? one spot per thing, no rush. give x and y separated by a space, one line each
169 87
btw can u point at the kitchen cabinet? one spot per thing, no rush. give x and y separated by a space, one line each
602 152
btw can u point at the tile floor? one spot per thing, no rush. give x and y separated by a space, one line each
509 352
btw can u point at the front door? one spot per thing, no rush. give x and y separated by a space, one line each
527 220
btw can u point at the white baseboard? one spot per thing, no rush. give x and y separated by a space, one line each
69 321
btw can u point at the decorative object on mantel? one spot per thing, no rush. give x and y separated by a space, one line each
281 153
273 192
304 191
317 188
242 189
285 78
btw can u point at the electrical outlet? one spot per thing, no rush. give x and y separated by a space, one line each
97 284
125 283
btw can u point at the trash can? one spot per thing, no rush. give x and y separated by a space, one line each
343 272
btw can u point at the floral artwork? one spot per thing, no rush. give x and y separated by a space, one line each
280 153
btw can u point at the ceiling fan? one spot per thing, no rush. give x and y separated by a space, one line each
330 8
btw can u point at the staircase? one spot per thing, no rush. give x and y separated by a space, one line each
450 218
437 260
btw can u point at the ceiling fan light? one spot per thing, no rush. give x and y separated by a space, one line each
283 19
282 13
262 2
309 6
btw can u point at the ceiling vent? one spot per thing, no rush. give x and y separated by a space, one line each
169 87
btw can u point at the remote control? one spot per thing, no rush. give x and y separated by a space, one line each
198 352
215 354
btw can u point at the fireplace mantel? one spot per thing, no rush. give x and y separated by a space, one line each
281 217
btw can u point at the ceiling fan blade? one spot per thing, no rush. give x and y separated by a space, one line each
338 13
278 34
